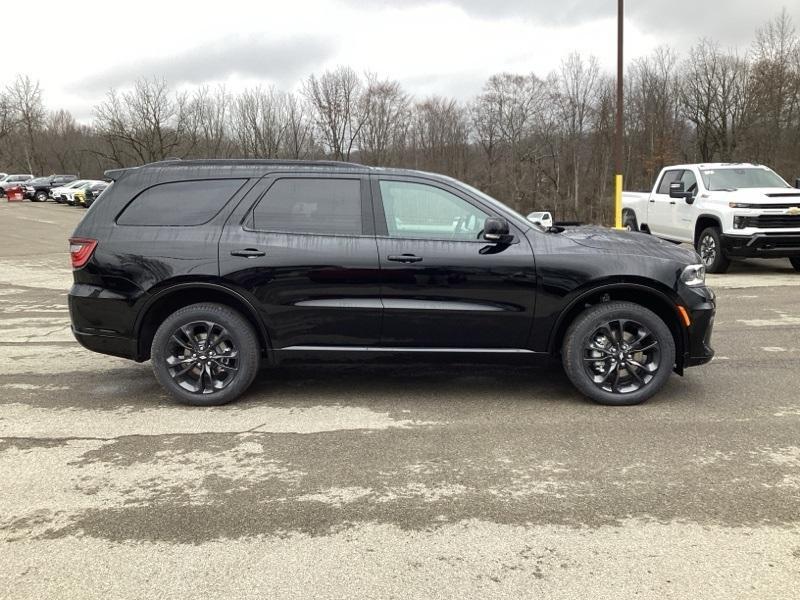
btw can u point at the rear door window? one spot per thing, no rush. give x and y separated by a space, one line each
180 202
311 205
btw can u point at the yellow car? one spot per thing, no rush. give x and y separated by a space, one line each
92 191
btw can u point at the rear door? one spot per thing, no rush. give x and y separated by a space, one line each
302 247
444 287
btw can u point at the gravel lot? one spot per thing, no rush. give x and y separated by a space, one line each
410 481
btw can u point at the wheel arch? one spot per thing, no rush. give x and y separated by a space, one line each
704 221
643 294
176 296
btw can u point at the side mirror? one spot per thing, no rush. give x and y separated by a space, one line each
496 230
677 191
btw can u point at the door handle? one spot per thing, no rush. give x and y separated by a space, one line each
673 202
248 252
404 258
652 201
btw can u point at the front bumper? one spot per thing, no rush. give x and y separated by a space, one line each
765 245
702 309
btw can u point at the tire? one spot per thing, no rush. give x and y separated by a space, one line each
709 247
626 390
795 260
221 379
40 196
629 222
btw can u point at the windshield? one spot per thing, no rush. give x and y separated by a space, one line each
734 179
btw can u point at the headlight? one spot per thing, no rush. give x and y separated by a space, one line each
694 275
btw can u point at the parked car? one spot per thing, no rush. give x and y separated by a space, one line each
85 195
37 190
59 194
10 180
545 219
212 268
725 210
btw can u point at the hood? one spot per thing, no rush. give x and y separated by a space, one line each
630 242
779 195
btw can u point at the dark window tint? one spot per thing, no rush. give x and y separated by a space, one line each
180 203
331 206
669 177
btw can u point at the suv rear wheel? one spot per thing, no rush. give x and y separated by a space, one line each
618 353
709 247
205 354
40 196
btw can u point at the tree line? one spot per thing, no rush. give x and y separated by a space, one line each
537 143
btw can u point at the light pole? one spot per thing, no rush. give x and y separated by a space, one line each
618 132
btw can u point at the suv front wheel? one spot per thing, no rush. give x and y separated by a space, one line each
205 354
618 353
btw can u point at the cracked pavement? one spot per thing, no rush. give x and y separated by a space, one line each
389 481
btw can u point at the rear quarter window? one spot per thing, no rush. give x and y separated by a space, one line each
180 203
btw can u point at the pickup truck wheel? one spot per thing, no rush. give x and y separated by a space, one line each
709 247
629 222
795 260
205 354
40 196
618 353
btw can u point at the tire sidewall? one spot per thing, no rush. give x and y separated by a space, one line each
244 339
630 221
721 262
585 325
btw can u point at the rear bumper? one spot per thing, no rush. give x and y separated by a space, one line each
106 343
765 245
102 321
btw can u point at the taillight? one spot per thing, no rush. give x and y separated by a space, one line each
80 251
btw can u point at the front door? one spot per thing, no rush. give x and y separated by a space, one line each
443 285
302 248
683 212
660 214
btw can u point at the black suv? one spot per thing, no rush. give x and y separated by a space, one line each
38 190
211 268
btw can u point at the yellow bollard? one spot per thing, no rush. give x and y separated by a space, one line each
618 201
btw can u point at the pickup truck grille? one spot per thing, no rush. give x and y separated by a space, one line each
772 221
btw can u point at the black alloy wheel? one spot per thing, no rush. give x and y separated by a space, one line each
621 356
205 354
618 353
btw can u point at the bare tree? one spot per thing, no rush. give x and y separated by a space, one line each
335 100
385 115
27 116
575 98
148 123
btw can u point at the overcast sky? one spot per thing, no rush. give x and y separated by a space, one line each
79 49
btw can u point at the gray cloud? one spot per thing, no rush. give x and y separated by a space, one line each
731 22
280 61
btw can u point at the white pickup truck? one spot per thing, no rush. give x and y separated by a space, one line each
725 209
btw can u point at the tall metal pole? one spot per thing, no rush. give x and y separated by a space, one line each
618 132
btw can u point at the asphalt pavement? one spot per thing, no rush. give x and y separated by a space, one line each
381 481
